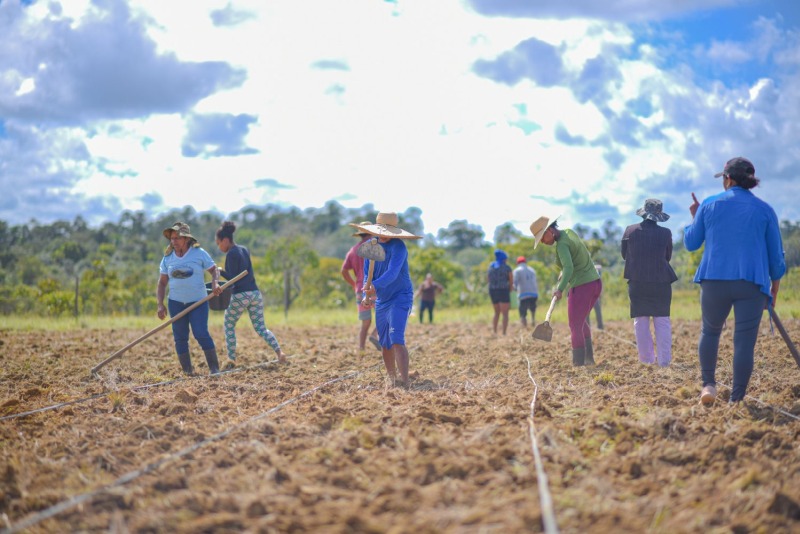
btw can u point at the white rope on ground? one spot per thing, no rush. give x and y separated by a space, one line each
135 388
56 509
749 397
545 499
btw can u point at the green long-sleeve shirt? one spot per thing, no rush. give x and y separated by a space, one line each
577 267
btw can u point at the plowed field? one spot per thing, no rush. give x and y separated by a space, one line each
325 445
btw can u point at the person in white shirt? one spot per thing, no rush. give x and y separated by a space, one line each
527 290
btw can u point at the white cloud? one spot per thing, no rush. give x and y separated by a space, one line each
402 120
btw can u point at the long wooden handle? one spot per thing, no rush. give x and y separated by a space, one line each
784 335
550 310
135 342
370 272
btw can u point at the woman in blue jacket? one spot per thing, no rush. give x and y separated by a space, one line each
741 268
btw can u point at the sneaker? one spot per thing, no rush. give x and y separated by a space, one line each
375 342
708 395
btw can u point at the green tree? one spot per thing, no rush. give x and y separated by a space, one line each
460 235
291 256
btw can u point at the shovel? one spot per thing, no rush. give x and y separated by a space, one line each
784 335
544 331
371 250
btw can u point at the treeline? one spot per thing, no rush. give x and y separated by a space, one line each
70 268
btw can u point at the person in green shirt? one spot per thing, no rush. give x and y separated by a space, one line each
579 278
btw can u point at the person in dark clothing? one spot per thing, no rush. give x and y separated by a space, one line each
501 279
427 292
647 248
246 295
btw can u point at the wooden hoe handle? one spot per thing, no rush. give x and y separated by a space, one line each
550 310
135 342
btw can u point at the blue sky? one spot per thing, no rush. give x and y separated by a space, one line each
489 111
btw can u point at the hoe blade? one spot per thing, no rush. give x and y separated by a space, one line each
371 250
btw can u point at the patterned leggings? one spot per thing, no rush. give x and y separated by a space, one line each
253 302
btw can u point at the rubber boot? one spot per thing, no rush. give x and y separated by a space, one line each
589 357
578 356
186 363
211 360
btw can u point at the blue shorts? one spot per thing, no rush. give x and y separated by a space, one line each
391 322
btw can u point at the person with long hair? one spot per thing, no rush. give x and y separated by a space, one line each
245 296
741 268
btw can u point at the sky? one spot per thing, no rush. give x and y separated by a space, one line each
489 111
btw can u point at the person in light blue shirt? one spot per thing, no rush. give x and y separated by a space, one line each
391 292
741 268
183 269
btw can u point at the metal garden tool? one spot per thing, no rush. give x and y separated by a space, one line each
371 250
785 335
544 331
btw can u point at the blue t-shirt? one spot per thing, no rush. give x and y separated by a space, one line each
186 274
391 279
742 238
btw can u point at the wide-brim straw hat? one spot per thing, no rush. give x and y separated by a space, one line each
539 226
360 234
181 227
385 226
653 210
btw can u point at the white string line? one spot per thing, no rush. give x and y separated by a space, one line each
124 479
750 397
545 499
134 388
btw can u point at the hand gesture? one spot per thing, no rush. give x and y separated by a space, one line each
694 206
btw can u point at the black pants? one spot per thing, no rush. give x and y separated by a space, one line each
426 305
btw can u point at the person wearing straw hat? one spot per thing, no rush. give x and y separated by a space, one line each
647 248
741 268
578 277
353 262
391 293
181 270
245 295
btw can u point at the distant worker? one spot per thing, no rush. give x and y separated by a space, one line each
501 279
741 268
527 290
427 292
392 294
352 262
182 270
579 276
647 248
